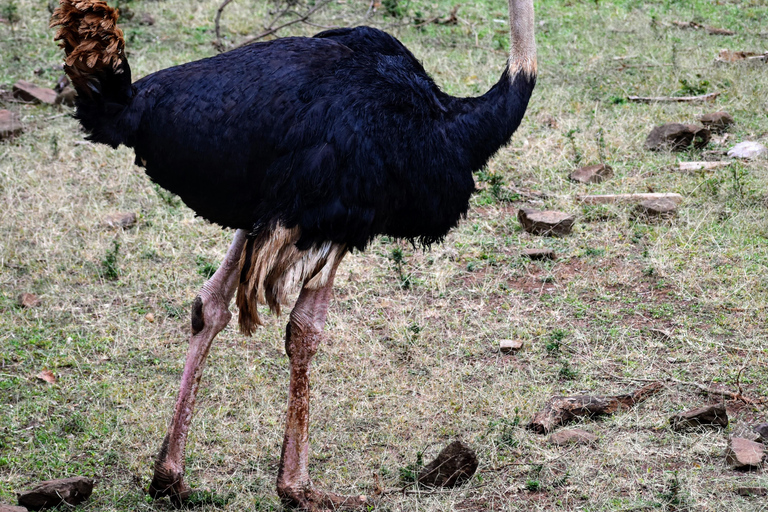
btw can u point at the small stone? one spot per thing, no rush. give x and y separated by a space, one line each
548 222
677 137
540 254
656 209
52 493
149 317
762 431
146 19
510 346
123 220
454 465
749 150
11 508
717 121
27 91
29 300
751 491
10 125
701 166
592 174
66 97
572 436
744 454
712 416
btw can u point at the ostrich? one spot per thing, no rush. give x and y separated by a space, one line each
308 148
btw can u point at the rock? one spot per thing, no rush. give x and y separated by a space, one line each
29 300
510 346
146 19
454 465
545 223
751 491
744 454
591 174
539 254
66 97
27 91
733 56
748 149
715 31
701 166
10 125
712 416
123 220
677 137
11 508
629 198
52 493
656 209
717 122
149 317
762 431
744 430
573 436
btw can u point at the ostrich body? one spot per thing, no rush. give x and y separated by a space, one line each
309 148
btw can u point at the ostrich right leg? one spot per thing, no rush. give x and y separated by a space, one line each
210 314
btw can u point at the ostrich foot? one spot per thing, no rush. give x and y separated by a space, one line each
169 482
313 500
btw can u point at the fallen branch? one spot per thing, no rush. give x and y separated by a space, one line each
674 99
629 198
733 395
563 409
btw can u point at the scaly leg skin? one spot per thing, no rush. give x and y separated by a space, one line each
210 314
302 338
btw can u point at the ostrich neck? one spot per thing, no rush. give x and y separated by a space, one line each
522 54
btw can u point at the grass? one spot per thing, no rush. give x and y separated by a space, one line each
412 360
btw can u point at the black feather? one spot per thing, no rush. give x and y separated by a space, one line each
343 134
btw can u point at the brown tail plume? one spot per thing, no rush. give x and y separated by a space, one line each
94 44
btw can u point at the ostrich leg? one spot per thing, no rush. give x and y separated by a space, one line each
210 314
303 335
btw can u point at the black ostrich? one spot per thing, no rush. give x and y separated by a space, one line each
309 148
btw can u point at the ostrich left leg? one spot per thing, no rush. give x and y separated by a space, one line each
303 335
210 314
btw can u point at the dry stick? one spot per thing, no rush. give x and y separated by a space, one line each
217 24
675 99
271 31
562 409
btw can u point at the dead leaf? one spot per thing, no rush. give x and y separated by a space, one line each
47 376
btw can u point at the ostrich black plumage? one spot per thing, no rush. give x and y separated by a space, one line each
309 148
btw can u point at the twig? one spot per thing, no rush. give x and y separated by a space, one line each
217 24
271 31
675 99
721 392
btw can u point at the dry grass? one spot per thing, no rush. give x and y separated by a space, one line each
407 368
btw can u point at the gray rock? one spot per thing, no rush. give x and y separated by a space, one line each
52 493
677 137
510 346
11 508
744 454
656 209
548 222
123 220
454 465
29 300
539 254
572 436
751 491
717 122
10 125
711 416
592 174
748 150
762 431
27 91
